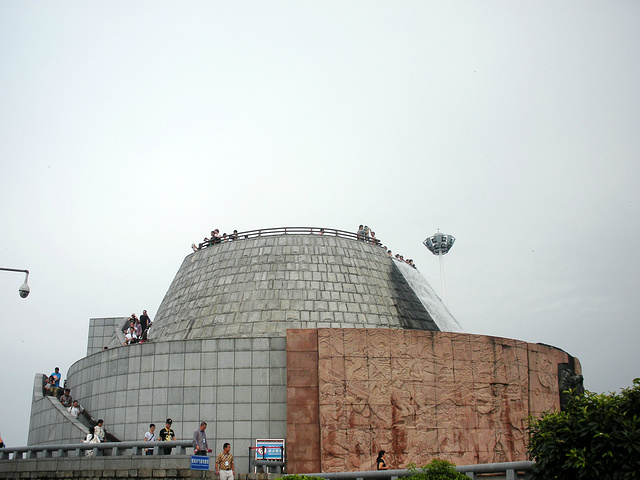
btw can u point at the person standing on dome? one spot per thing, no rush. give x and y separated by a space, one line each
56 377
145 323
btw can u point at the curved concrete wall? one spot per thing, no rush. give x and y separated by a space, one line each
259 287
336 395
50 420
238 386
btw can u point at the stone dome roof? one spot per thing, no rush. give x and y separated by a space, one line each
262 286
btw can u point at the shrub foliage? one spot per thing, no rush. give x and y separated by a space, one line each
297 476
597 436
435 470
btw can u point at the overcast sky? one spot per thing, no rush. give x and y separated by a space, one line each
129 130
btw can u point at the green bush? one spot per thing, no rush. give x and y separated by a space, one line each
436 470
597 436
297 477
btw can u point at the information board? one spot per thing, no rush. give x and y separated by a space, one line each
199 462
269 449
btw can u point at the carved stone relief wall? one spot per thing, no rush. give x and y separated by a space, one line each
417 395
303 424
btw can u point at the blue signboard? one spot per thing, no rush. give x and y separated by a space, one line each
199 462
269 449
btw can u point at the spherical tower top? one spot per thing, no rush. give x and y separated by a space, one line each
439 243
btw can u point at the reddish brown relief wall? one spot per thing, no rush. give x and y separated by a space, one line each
303 427
416 394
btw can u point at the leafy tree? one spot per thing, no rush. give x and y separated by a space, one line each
436 470
597 436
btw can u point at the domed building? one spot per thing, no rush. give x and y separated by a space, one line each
321 340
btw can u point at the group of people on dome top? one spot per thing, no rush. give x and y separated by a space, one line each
52 384
136 330
399 257
215 238
368 235
365 234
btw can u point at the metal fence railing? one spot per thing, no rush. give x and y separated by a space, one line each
268 232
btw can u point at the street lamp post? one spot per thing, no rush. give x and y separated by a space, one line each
24 288
440 244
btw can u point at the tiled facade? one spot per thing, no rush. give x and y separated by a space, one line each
50 420
238 386
101 332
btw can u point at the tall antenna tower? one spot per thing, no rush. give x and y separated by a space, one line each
440 244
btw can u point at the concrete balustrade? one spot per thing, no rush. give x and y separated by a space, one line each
494 471
114 449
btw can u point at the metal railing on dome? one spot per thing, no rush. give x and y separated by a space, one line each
269 232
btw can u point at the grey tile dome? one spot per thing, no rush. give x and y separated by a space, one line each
262 286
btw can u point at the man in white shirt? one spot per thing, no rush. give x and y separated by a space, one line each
75 409
150 436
